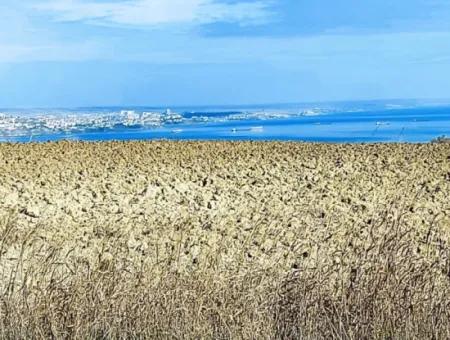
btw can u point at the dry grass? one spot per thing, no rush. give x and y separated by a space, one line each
384 283
345 269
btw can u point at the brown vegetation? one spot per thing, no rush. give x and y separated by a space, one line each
224 241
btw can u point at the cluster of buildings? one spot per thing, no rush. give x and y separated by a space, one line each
25 124
133 118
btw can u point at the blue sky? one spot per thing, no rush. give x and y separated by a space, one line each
177 52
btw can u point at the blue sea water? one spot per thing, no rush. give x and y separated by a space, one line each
343 122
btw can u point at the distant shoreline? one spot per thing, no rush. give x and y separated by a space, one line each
365 122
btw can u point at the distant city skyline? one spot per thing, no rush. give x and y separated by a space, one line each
75 53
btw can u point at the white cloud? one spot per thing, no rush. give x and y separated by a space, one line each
157 12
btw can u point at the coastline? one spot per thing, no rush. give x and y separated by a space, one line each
343 122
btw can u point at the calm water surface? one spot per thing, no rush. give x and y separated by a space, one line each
342 122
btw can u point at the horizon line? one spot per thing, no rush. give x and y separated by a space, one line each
241 105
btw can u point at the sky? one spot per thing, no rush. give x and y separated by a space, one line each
73 53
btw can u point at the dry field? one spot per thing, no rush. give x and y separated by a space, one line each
187 240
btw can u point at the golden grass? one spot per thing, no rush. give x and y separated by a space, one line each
224 241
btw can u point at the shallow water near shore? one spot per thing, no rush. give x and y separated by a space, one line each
359 122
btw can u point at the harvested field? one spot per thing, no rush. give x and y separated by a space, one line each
218 240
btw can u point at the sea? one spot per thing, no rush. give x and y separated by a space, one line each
386 121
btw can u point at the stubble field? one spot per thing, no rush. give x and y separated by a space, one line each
224 240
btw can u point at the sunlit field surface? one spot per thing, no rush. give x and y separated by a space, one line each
224 240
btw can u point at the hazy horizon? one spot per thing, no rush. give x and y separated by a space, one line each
393 101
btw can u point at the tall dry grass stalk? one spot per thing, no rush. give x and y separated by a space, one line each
224 241
386 281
